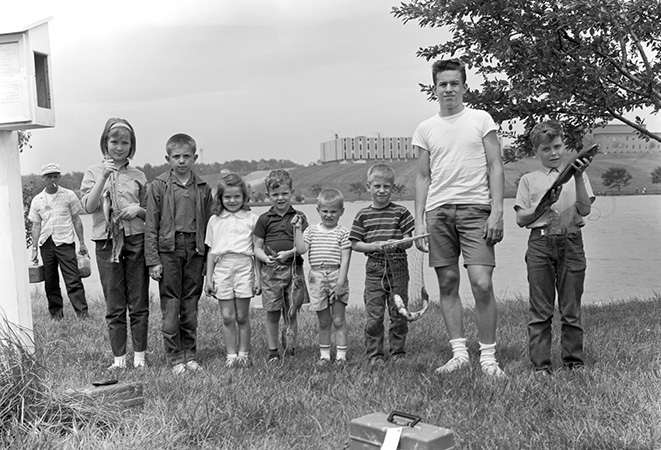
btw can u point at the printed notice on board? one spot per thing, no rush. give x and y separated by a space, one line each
11 84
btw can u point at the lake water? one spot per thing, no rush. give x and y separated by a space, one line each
622 242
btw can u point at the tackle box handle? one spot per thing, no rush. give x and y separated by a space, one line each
413 418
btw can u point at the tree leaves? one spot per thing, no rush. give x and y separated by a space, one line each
581 62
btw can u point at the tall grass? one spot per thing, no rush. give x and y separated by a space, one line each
614 403
31 413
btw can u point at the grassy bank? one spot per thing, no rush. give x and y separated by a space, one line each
614 403
340 176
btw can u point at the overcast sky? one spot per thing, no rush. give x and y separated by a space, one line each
247 79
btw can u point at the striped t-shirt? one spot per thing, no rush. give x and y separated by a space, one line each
326 245
375 225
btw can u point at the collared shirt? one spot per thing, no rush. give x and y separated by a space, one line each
231 233
563 213
325 245
131 187
55 213
278 231
184 205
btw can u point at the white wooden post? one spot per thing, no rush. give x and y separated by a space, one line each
26 103
15 306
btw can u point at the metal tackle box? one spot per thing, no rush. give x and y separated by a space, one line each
368 432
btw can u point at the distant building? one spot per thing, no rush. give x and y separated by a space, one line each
367 149
362 149
622 139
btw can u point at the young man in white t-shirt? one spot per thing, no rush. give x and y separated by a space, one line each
459 201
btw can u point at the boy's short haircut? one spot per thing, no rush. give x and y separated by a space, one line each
180 140
330 197
116 127
277 178
380 170
448 64
545 132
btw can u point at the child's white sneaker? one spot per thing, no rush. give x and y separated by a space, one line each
179 369
193 366
456 363
231 362
116 367
140 365
243 361
493 370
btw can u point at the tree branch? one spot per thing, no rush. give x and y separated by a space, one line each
634 125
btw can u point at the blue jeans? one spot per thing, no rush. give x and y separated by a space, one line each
180 288
380 282
555 262
64 257
126 289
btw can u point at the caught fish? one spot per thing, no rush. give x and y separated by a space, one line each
404 312
566 175
107 211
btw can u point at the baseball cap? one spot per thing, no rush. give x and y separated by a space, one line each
50 168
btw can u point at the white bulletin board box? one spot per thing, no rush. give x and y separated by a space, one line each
26 88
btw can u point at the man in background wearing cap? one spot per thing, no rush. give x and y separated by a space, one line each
54 213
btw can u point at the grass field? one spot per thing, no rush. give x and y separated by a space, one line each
614 403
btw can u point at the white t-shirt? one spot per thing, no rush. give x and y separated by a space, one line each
457 159
231 233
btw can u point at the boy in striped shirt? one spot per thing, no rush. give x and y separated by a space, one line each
329 254
373 227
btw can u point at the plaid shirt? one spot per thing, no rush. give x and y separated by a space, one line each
56 218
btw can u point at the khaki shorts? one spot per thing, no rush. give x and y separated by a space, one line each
234 277
321 284
458 229
275 286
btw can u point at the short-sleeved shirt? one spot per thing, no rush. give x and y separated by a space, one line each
55 213
563 213
131 186
231 233
278 231
457 159
375 225
325 245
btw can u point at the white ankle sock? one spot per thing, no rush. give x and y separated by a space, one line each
324 351
138 357
244 354
120 361
459 349
487 353
341 352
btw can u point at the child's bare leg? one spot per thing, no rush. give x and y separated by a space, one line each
341 329
340 323
272 328
228 313
325 323
243 323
